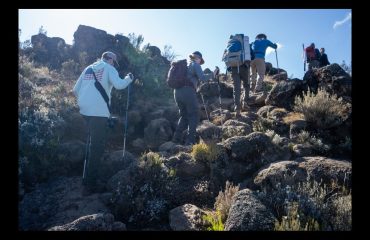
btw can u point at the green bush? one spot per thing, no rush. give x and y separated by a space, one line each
205 152
214 219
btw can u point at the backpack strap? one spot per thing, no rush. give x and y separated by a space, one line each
101 90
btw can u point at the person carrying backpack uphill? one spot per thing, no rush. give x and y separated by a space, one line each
258 65
312 56
186 98
237 59
92 90
323 58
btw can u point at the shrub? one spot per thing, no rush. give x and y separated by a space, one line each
151 160
293 116
224 200
310 205
322 110
214 218
146 197
292 222
262 125
318 146
205 152
70 70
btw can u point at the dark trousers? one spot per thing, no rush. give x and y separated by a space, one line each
238 77
187 102
97 128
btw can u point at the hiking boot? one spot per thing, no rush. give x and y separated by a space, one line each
237 113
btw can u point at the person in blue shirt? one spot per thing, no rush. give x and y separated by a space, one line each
259 47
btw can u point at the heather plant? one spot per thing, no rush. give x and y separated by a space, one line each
317 144
146 198
310 205
322 110
205 152
224 200
41 103
292 222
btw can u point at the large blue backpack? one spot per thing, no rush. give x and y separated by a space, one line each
237 51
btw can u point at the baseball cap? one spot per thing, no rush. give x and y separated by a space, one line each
110 55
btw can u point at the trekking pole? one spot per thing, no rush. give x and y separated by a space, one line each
126 122
217 76
205 108
87 152
304 59
277 62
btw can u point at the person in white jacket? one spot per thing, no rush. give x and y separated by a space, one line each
94 109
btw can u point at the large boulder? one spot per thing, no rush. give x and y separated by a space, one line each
328 170
247 213
154 51
331 78
209 90
187 217
186 167
93 41
284 92
247 148
94 222
279 174
57 202
157 132
209 132
49 51
232 128
114 162
320 169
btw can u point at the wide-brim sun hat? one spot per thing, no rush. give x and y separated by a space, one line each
197 54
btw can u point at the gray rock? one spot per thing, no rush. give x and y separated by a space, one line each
186 218
247 213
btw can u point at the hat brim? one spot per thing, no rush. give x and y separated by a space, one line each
192 56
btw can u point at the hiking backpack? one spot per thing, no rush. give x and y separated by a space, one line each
237 51
177 75
310 54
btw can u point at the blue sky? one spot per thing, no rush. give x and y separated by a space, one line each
207 30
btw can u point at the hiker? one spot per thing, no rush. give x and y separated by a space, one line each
237 57
186 100
240 74
96 111
312 56
259 47
323 58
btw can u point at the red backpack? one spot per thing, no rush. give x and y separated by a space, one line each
177 75
310 53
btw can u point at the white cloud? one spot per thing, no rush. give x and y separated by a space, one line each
271 50
340 23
